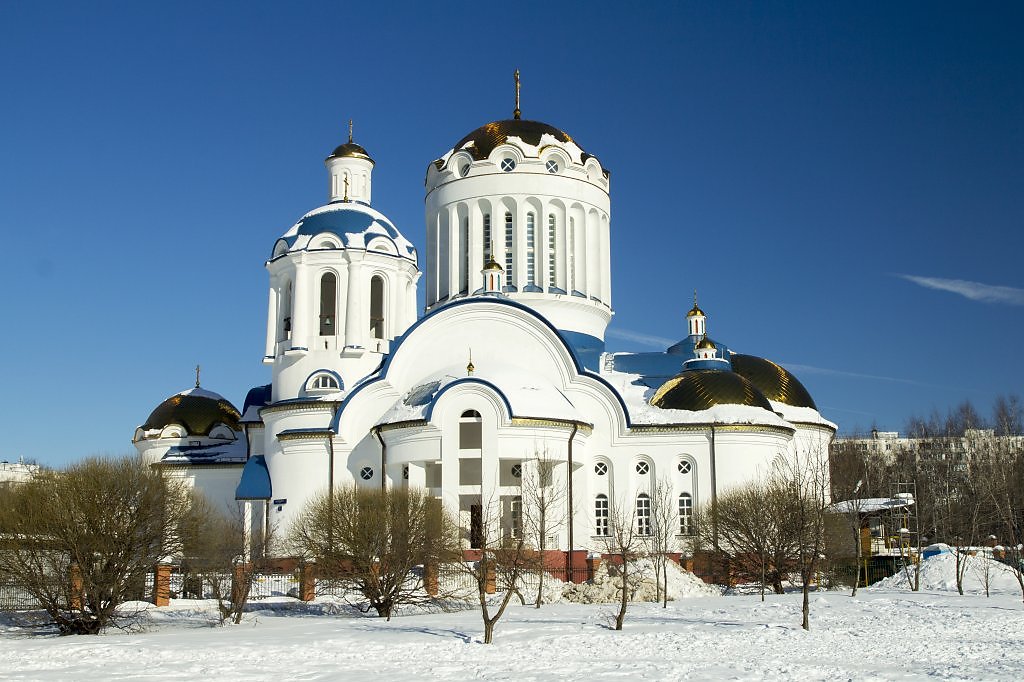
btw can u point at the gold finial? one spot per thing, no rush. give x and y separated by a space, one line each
470 367
345 198
516 113
197 376
350 131
694 298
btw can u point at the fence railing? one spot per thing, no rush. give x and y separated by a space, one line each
14 597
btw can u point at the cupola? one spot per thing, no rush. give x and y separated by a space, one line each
350 168
696 320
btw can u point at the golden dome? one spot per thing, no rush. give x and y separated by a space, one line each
702 389
198 410
774 381
705 343
492 266
350 150
695 311
487 137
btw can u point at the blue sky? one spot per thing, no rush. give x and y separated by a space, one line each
842 183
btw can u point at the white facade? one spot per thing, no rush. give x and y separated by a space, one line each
508 363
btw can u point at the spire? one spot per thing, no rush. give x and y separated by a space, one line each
516 113
350 131
197 376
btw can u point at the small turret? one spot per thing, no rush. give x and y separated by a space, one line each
350 169
696 320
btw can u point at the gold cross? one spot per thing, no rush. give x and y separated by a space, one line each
350 131
346 189
516 113
197 376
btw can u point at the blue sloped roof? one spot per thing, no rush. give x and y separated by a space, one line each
258 396
255 481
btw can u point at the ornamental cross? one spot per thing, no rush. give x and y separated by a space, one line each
346 188
350 131
516 113
197 376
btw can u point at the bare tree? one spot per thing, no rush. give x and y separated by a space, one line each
983 569
83 539
374 541
661 541
503 559
628 532
543 508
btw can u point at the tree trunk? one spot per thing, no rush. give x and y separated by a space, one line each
621 616
857 557
806 624
488 631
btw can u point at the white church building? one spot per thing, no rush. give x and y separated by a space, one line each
507 363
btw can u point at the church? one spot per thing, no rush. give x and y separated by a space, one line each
504 373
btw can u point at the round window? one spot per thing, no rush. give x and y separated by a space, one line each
684 467
552 166
508 164
464 170
366 473
517 470
600 468
642 468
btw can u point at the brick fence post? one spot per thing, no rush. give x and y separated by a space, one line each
75 578
162 585
593 563
490 578
307 582
238 582
430 583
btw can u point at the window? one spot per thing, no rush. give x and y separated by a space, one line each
684 467
464 284
517 470
570 257
531 271
324 381
328 296
464 170
600 468
516 514
286 312
552 260
508 164
643 468
685 514
487 237
470 431
601 516
509 279
643 514
476 526
377 307
366 473
551 166
405 472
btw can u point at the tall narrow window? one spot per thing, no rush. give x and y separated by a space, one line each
470 431
643 514
516 514
601 516
570 258
552 257
328 298
531 267
476 526
487 237
509 260
377 307
464 284
685 514
286 313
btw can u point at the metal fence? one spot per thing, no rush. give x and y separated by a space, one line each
274 585
14 597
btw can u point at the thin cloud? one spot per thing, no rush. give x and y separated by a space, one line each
976 291
824 371
642 339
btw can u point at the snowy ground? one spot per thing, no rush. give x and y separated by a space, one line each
885 633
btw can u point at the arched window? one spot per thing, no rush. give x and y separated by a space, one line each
552 259
509 242
601 515
323 381
531 267
643 514
487 237
570 258
516 514
286 313
328 299
470 430
377 307
685 514
464 245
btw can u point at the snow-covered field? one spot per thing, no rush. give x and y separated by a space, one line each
885 633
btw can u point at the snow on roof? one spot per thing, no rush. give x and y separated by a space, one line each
528 395
198 392
635 394
356 224
801 415
215 453
869 505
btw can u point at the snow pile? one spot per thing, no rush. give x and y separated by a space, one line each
643 585
939 573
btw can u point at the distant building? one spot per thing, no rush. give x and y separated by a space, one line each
17 472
